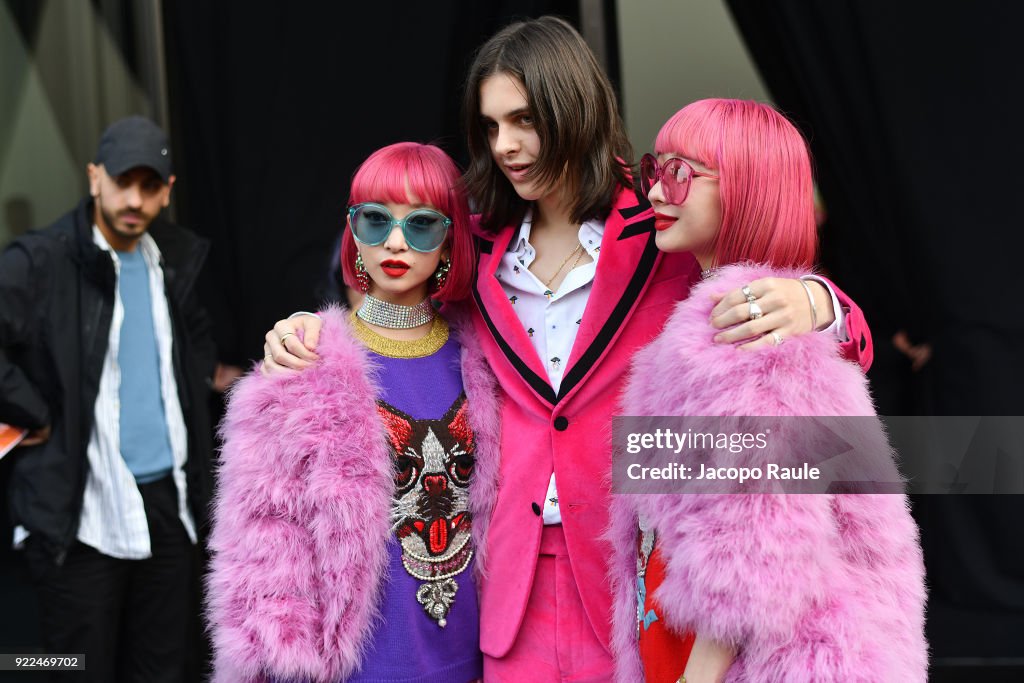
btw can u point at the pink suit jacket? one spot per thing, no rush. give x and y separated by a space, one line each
632 295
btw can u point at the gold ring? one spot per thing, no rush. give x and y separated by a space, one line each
285 336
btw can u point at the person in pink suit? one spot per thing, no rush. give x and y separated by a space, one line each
755 587
570 285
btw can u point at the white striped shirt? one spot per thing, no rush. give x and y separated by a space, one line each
113 517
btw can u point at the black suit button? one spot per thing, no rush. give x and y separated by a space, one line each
536 509
561 423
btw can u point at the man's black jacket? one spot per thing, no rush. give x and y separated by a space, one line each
56 307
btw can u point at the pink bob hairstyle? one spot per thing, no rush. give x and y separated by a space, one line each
765 182
423 175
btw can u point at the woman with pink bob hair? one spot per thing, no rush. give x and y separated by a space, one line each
346 523
713 585
424 172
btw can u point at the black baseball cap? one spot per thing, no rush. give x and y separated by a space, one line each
132 142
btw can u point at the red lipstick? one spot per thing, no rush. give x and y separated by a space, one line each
663 222
394 268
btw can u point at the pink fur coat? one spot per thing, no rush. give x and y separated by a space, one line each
301 515
806 587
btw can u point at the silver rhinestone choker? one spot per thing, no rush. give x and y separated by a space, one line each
395 316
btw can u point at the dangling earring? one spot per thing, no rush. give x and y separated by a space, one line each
362 277
441 274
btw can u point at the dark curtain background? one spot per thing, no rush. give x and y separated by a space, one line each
913 114
274 105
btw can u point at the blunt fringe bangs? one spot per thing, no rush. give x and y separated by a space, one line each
584 147
765 179
413 173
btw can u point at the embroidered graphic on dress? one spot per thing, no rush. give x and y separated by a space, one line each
513 299
515 269
434 461
548 293
556 362
530 332
643 556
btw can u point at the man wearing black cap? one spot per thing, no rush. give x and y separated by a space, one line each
105 357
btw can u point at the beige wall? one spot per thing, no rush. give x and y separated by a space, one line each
674 52
56 96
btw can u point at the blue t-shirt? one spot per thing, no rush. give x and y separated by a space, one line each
145 442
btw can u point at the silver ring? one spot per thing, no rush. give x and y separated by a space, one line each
777 338
285 336
747 293
755 310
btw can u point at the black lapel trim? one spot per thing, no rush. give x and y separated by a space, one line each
640 227
615 320
539 384
631 211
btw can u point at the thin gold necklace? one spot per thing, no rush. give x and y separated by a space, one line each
579 249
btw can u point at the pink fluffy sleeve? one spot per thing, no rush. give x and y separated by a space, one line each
300 520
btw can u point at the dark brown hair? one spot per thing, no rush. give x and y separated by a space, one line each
583 140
